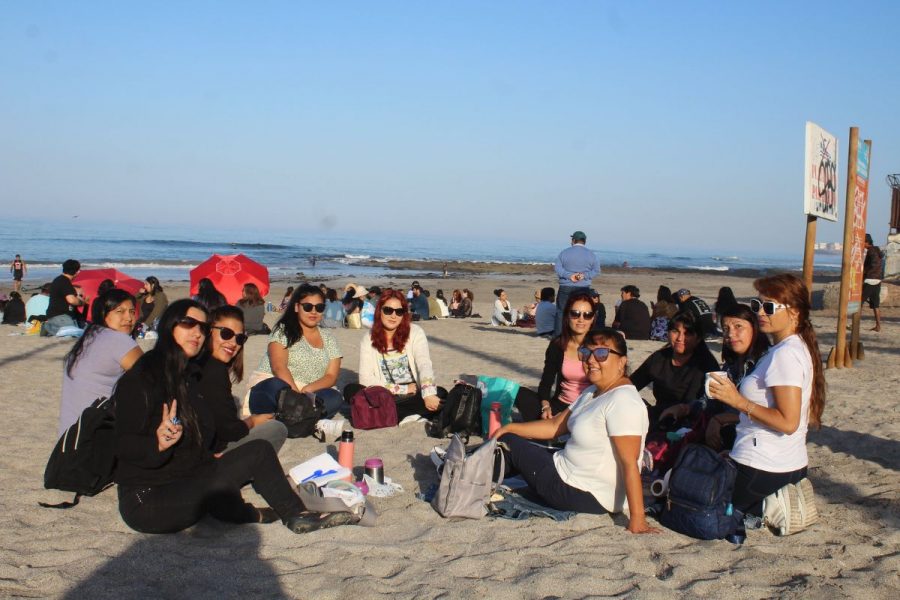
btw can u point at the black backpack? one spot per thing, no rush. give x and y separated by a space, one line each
299 412
84 458
460 414
699 497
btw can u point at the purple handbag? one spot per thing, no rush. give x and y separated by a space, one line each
373 408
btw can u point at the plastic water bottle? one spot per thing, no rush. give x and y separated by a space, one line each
345 453
494 419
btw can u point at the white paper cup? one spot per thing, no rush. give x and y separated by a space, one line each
721 374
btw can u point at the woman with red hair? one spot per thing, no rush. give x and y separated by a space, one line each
394 355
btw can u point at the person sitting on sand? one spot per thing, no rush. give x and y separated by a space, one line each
779 398
504 314
662 310
208 295
632 315
545 313
455 300
724 301
36 307
442 304
14 311
222 364
153 302
743 345
678 370
64 300
563 378
698 307
335 314
286 299
302 354
528 311
434 307
394 355
599 467
418 304
99 357
167 478
254 308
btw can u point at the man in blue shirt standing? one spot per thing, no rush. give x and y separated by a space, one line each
576 267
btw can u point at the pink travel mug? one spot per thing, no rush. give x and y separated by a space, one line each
494 419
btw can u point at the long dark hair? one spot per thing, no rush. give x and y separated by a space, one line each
208 295
166 364
290 320
758 346
102 306
566 336
251 296
236 364
154 285
790 289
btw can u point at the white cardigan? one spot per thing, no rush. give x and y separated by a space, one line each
416 350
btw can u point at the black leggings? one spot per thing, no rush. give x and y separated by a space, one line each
751 486
529 404
406 405
214 489
536 466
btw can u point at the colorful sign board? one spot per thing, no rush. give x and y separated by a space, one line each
858 235
820 196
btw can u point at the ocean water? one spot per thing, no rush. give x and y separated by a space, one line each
170 252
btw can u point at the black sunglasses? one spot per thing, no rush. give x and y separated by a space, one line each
227 333
387 310
769 307
587 314
309 306
191 322
601 354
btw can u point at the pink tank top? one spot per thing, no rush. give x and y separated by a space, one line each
574 381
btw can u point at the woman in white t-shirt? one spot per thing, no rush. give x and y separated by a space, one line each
598 469
97 360
778 400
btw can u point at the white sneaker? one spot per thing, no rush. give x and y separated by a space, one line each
330 428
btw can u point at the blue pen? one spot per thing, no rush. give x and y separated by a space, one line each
318 473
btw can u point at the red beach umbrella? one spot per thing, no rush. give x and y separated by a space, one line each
229 273
90 280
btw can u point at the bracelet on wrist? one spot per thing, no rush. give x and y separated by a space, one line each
749 409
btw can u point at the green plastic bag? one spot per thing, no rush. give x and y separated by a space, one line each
496 389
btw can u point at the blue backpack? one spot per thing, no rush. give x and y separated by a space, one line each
699 498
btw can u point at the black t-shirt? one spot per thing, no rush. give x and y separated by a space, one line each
671 384
59 289
702 314
633 319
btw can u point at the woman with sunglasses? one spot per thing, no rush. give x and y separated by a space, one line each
779 399
100 356
598 469
302 354
394 355
563 378
222 366
678 370
167 477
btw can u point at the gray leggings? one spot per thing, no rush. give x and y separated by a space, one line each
272 431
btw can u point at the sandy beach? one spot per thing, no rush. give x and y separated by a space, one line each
88 552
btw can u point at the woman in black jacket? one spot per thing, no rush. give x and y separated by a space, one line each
563 378
222 366
167 478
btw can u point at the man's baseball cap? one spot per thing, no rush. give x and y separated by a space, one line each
579 236
683 292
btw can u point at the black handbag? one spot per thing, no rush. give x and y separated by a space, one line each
299 412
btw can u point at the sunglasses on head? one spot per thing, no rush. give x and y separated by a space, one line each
309 306
601 354
768 307
226 333
586 314
387 310
191 322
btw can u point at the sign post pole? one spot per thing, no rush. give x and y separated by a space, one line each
809 251
840 350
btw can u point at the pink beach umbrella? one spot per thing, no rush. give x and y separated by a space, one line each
229 273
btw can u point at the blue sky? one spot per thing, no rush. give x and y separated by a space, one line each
646 124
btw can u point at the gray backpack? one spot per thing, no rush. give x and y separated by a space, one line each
467 481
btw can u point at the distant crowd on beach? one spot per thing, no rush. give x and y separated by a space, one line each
185 446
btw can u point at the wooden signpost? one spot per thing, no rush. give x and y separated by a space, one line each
820 184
